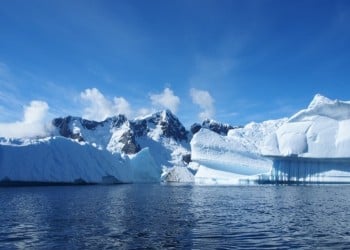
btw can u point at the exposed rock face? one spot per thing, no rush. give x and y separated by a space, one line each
120 132
139 127
170 125
63 124
117 121
195 128
217 127
186 158
130 144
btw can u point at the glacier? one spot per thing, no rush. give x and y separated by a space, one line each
312 146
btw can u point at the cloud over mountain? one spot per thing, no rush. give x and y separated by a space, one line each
32 124
205 101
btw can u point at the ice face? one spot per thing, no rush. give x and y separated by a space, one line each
218 154
320 131
59 159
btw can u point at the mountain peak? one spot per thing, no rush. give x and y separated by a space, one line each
169 125
166 114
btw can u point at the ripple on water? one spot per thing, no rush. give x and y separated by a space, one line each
175 217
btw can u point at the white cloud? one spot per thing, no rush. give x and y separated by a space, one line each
33 123
144 111
99 107
121 106
205 101
167 100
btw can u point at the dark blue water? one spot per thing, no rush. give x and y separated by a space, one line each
165 216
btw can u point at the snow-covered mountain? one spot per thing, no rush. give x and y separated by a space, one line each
138 150
313 145
161 132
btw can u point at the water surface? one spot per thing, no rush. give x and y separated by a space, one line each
165 216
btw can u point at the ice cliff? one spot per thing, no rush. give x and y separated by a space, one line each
60 160
313 146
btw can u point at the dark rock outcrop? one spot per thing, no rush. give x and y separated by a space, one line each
63 125
195 128
130 144
64 129
170 125
219 128
164 122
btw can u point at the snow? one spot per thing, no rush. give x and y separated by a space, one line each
114 145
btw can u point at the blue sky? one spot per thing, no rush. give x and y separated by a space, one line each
235 61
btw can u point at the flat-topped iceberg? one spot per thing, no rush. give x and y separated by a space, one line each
60 160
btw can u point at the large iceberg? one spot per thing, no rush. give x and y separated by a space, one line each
313 145
320 131
60 160
232 159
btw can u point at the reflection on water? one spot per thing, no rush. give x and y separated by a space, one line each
165 216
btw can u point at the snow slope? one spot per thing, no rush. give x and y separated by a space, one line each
165 137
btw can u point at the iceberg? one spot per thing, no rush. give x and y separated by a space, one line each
313 145
59 160
232 159
144 168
